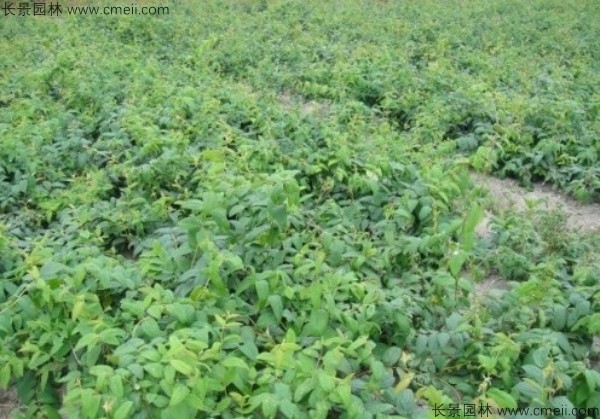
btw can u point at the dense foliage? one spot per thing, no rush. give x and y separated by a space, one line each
264 208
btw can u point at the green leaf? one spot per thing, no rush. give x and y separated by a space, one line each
344 392
533 372
559 318
87 340
443 339
111 336
561 402
289 409
184 313
262 290
590 380
403 323
192 204
465 284
593 324
456 262
501 398
290 336
234 362
467 238
392 355
182 367
136 370
150 328
583 308
269 406
486 362
332 359
424 213
4 376
180 392
235 262
151 355
540 357
529 389
317 324
250 350
277 305
90 404
51 269
178 411
303 389
155 311
116 386
100 370
215 277
444 280
326 382
155 369
123 411
279 215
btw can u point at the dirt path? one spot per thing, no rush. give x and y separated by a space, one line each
507 193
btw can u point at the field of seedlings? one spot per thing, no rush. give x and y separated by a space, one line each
302 209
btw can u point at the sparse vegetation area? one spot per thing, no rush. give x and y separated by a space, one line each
265 209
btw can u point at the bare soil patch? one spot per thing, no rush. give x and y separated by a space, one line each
289 101
489 284
507 193
8 403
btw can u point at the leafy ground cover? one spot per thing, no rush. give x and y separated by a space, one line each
265 209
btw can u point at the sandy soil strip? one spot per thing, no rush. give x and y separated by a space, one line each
507 193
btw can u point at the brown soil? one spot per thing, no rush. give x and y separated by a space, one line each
8 403
507 193
289 101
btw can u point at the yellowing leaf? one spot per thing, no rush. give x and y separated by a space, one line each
404 383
